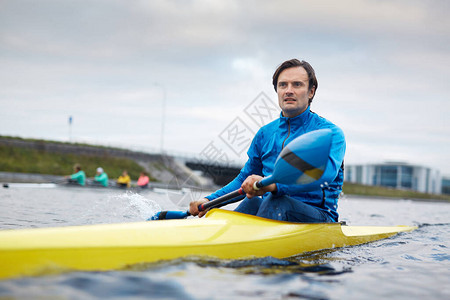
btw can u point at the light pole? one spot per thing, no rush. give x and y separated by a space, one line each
70 129
163 115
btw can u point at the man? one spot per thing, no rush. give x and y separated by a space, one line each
78 177
296 84
101 177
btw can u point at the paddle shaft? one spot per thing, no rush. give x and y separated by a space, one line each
226 199
218 201
223 200
229 198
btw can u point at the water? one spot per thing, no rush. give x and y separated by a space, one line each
412 265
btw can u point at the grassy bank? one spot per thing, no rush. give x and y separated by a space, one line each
22 160
378 191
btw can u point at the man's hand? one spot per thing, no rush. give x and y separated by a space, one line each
250 192
193 207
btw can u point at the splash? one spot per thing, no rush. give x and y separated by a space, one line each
135 206
145 207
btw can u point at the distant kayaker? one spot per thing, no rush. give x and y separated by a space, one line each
101 177
79 177
143 180
296 84
124 179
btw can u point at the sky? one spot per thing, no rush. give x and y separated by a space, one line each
195 77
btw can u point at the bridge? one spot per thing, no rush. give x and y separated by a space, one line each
220 174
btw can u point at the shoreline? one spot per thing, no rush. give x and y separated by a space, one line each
391 198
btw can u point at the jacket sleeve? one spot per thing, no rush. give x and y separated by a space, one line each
75 176
335 160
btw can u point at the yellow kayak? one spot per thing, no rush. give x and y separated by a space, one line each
222 234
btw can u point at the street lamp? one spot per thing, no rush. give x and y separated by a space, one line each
70 129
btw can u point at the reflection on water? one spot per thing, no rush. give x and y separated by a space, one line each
412 265
258 266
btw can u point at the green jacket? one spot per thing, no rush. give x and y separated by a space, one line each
80 177
102 179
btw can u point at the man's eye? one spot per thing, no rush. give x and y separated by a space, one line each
297 84
282 84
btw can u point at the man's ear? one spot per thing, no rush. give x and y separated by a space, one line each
311 92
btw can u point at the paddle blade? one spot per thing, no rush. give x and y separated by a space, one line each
303 160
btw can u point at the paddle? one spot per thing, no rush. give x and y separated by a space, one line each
301 162
61 181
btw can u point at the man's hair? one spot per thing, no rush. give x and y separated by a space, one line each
312 80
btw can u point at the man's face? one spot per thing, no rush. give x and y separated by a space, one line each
292 90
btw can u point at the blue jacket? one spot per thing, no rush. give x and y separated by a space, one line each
268 143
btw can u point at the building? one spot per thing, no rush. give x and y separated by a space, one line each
446 185
396 175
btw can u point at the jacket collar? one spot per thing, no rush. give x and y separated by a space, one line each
299 120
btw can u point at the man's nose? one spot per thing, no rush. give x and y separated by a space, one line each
289 89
